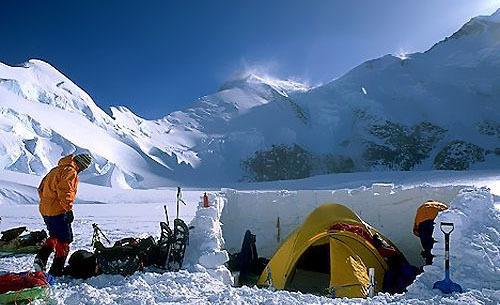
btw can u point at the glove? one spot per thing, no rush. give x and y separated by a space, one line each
68 217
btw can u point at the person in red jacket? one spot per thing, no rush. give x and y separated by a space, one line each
57 193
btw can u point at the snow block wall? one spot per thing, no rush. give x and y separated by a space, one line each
388 208
474 245
204 252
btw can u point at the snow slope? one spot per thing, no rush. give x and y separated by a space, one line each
454 85
130 151
431 110
45 116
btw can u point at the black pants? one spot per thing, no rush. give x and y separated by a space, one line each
425 229
59 227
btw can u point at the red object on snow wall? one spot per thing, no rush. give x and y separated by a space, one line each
205 201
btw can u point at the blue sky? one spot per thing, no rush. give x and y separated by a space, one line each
156 57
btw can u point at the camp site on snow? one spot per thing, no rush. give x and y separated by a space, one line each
333 253
250 152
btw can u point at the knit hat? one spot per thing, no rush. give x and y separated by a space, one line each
83 161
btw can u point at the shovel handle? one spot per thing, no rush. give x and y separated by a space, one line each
447 224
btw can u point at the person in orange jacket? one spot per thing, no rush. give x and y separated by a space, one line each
57 193
424 226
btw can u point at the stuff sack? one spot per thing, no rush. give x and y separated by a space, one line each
25 286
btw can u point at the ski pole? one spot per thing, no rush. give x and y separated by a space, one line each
278 230
179 199
166 214
99 231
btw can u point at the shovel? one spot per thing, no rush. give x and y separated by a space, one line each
447 286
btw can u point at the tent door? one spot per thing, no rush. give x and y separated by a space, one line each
349 273
312 271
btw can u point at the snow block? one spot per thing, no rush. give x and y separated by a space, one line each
213 259
221 273
206 243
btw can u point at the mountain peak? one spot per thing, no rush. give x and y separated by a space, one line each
255 81
479 33
38 81
495 17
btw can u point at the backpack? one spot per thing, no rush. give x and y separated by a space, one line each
129 255
12 234
82 264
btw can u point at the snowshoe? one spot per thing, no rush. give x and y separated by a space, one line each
161 253
178 245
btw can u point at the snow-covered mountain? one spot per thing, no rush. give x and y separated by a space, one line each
44 115
443 100
437 109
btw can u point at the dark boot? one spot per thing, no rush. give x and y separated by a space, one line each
57 267
42 257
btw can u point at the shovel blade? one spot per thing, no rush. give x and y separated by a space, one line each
447 286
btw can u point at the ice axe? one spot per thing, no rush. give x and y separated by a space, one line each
447 286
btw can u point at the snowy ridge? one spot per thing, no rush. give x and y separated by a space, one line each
283 87
37 81
495 17
431 110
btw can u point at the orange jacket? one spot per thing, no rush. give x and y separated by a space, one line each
427 211
57 191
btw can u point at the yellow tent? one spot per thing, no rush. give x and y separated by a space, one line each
329 254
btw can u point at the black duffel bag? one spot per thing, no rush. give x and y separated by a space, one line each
82 264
